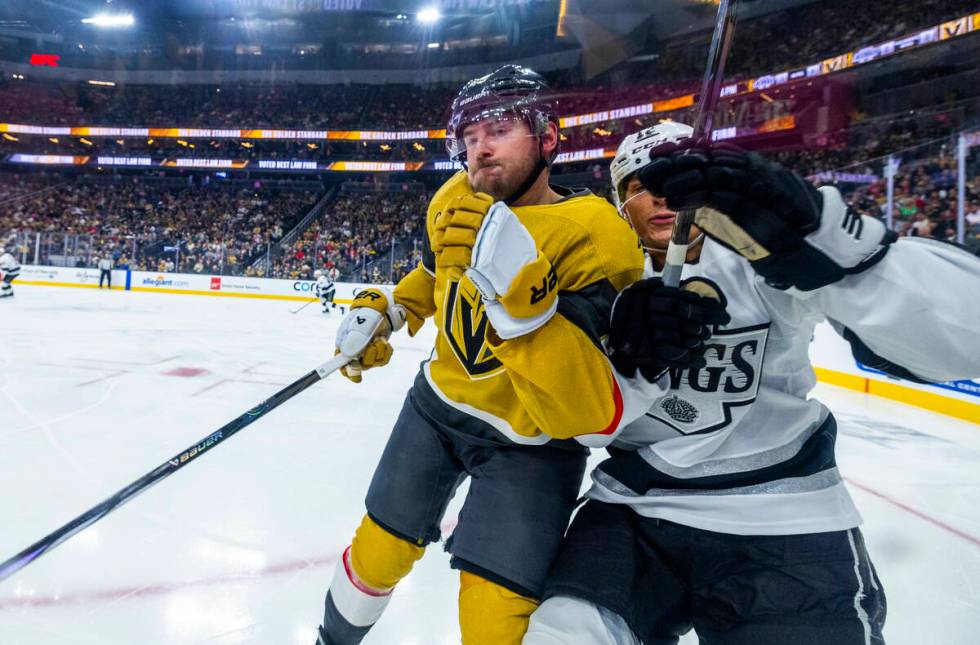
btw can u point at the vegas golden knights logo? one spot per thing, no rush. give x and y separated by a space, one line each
466 327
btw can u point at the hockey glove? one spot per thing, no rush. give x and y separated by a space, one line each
656 327
455 230
517 283
793 234
364 331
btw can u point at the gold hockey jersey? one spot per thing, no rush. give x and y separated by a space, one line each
554 382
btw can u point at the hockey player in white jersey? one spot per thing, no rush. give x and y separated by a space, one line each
326 290
721 508
9 270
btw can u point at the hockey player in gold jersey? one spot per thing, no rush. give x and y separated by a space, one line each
519 276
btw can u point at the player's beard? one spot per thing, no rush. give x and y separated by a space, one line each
503 184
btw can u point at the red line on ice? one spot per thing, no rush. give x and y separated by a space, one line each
108 372
186 372
164 588
161 589
919 514
105 377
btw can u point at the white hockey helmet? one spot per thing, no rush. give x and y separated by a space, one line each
634 153
318 273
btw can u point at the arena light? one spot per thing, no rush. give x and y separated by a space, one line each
110 20
428 15
103 83
562 15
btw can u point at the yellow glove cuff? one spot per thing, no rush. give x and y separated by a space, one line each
533 290
372 299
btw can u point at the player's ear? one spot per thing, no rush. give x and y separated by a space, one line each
549 140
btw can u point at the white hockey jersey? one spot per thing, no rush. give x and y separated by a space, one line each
8 264
737 447
323 285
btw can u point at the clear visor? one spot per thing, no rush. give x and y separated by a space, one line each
472 128
489 124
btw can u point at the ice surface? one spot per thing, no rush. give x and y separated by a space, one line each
97 388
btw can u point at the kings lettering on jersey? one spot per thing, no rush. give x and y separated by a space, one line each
703 400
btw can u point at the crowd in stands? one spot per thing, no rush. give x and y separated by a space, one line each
369 236
925 201
375 235
790 38
876 138
355 230
807 34
220 229
814 31
146 225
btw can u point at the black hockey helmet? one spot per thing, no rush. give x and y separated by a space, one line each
510 90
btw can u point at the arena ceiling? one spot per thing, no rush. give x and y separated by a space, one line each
607 32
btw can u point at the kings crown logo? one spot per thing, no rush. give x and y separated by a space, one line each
679 410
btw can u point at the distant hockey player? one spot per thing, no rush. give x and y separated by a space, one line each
9 270
325 290
721 508
516 372
105 271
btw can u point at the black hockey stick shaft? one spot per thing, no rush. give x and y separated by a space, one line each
714 72
296 311
167 468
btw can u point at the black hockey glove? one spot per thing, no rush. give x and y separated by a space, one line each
656 327
793 234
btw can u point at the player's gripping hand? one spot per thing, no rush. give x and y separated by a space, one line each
456 229
364 331
793 234
656 327
517 283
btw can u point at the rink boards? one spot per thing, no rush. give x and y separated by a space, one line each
184 283
831 355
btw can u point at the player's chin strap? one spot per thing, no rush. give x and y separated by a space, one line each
532 177
663 252
650 249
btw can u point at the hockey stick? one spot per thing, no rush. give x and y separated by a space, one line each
714 72
296 311
94 514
